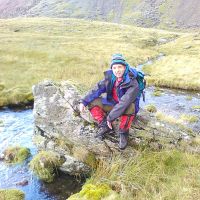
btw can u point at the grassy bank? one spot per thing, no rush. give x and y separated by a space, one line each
152 175
180 68
34 49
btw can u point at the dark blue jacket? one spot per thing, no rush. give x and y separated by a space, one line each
127 93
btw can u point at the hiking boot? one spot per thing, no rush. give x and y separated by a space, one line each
123 140
103 129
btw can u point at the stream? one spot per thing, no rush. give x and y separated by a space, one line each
173 102
16 128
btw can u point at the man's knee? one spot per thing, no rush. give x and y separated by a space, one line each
96 102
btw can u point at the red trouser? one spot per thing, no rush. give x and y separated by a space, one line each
99 114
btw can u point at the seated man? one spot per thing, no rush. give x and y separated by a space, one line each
121 88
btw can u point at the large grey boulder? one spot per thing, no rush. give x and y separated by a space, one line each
60 128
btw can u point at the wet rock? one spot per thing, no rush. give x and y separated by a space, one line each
22 183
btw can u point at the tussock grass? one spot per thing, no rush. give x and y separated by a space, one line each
152 175
45 164
34 49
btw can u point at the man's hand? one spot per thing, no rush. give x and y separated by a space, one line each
109 124
82 107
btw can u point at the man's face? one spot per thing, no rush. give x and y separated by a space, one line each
118 70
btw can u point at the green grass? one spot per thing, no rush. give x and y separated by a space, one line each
34 49
152 175
180 68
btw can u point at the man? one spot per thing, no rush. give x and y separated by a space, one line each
121 101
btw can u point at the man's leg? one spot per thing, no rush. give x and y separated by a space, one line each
98 112
125 123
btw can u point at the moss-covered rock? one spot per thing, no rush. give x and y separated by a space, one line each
44 165
151 108
85 156
11 194
16 154
95 192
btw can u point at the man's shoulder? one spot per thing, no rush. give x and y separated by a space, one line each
132 72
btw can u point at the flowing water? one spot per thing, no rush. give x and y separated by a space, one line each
173 102
16 128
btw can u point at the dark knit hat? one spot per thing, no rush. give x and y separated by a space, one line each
118 59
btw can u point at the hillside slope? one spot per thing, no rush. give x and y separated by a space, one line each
146 13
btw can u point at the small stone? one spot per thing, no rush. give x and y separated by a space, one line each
22 183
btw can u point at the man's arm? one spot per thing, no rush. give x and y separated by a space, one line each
94 93
128 98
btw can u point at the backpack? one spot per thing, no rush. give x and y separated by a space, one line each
142 84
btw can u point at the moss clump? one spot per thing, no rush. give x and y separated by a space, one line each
95 192
16 154
189 118
157 93
196 107
11 194
189 98
44 165
151 108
